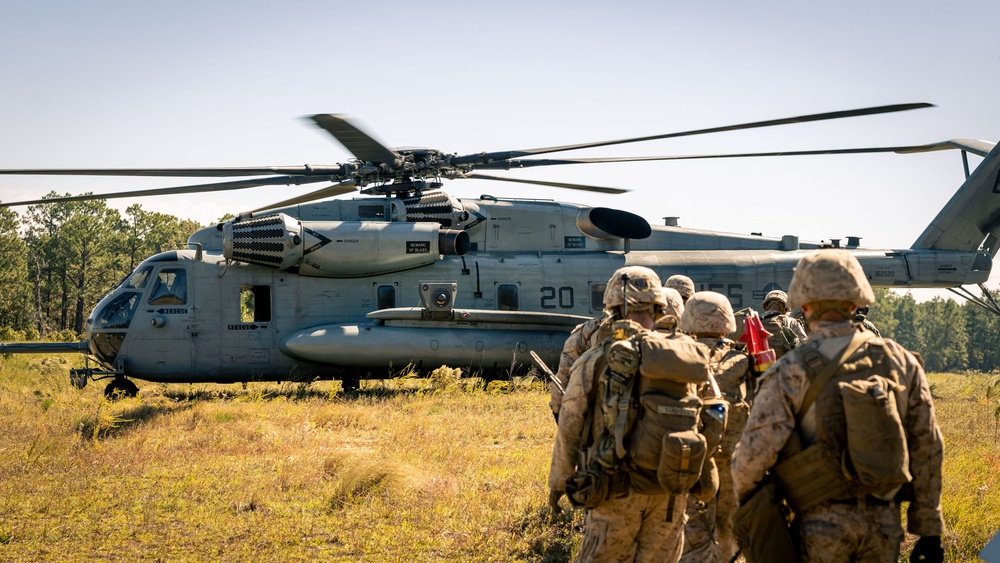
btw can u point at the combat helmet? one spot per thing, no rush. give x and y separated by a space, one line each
682 284
673 304
708 312
643 289
775 295
829 275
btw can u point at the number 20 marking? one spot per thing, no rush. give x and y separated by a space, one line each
564 294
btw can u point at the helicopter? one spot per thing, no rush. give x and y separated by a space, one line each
411 278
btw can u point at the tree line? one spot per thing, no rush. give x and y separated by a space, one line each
57 260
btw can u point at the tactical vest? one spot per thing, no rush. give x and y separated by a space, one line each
782 339
646 393
860 446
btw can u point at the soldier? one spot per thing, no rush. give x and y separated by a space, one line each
682 284
787 331
588 334
626 525
861 318
672 309
708 317
842 423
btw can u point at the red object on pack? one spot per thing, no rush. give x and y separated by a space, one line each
755 337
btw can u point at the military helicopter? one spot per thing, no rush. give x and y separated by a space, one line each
313 287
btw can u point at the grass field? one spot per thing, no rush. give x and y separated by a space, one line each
441 470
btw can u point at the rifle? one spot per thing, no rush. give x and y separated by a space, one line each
545 369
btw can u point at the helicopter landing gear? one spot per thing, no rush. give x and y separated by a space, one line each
120 388
350 383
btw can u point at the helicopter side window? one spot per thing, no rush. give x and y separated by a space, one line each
118 313
385 296
597 296
170 287
507 297
255 303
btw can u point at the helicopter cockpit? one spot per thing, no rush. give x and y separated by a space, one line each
112 317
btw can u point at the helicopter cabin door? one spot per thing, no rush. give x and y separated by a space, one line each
248 335
165 347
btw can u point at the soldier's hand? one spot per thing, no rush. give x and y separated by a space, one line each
927 549
554 497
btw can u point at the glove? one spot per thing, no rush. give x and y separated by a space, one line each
554 497
927 549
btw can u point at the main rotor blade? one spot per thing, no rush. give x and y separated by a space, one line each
307 170
551 184
345 187
359 143
903 149
485 158
199 188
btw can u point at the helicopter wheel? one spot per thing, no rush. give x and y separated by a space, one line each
119 388
350 383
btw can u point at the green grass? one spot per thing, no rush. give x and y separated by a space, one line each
971 489
434 470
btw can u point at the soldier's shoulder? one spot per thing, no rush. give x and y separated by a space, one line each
590 357
897 351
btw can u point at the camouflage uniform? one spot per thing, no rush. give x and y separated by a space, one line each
865 529
708 535
783 318
861 319
631 527
585 336
791 323
588 334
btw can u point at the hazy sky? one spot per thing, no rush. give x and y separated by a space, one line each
135 84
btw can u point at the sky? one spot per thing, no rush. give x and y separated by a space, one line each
192 84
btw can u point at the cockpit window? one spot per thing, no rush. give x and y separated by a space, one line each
118 312
169 287
138 278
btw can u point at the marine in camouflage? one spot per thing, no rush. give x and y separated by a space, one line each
644 290
830 285
585 336
632 527
708 534
772 422
682 284
775 305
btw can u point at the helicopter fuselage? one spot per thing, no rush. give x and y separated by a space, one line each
305 311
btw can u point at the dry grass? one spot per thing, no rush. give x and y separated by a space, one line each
432 470
447 471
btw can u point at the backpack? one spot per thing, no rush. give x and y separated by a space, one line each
733 374
782 339
860 444
646 395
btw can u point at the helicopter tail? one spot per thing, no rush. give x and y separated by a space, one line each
971 219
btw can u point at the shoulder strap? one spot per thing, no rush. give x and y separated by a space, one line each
587 438
827 371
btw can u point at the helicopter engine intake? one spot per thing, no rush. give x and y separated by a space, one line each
339 249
